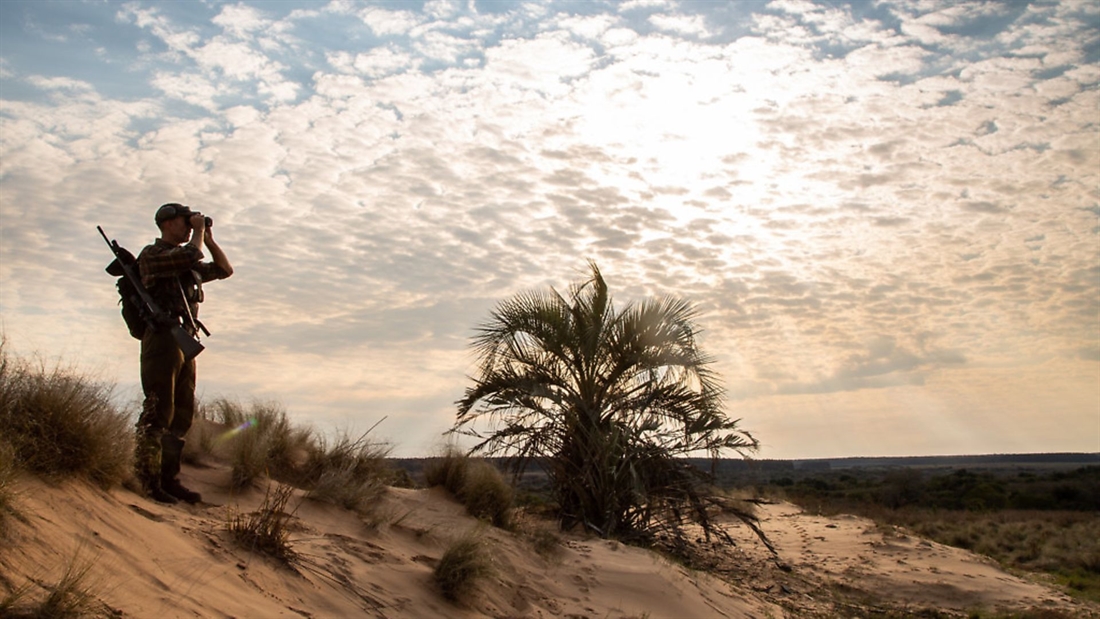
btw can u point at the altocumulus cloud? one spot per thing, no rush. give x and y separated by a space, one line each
873 205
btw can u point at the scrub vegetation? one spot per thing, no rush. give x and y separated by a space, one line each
259 441
58 423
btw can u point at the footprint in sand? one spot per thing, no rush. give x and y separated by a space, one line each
582 584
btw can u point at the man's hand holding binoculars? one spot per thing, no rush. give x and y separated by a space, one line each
202 228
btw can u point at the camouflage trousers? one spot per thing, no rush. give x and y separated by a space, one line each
168 410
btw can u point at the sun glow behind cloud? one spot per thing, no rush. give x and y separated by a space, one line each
866 202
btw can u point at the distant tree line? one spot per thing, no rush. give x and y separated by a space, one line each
1008 487
962 489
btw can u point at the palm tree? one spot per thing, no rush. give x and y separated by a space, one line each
608 403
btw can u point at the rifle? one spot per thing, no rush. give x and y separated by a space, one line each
125 265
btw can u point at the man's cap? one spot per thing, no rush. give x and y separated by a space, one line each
171 211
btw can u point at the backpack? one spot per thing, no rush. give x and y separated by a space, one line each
133 312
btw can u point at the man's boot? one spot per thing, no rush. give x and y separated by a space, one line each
171 456
147 459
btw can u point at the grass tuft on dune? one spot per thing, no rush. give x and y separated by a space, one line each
71 596
465 563
476 483
58 423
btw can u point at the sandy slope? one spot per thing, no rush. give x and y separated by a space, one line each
150 560
831 563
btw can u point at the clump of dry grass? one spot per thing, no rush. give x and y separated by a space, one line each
260 441
201 442
266 530
463 565
59 423
447 470
7 487
476 483
71 597
349 472
487 495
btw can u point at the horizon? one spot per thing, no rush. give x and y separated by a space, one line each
754 459
886 214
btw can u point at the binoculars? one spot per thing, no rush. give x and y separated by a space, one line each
209 222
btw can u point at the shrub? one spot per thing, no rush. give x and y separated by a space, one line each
462 566
58 423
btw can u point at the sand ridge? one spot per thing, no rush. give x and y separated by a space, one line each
152 560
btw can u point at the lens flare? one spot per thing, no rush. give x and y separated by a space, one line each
235 431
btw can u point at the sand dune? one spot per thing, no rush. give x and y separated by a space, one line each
151 560
846 560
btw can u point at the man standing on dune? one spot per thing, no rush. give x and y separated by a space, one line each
173 271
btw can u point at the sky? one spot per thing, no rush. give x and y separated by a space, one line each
886 213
